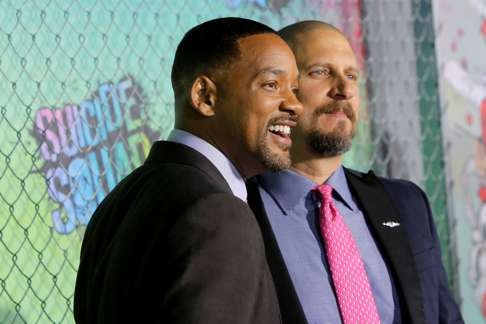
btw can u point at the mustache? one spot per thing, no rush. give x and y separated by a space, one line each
335 107
285 118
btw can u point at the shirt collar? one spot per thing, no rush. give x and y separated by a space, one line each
216 157
288 187
340 185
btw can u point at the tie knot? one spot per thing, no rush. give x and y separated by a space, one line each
326 192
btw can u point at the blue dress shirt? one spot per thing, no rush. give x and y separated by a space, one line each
293 211
216 157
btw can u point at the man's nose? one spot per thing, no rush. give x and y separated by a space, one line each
291 104
343 89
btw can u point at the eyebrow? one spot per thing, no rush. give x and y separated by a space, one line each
353 69
270 70
328 65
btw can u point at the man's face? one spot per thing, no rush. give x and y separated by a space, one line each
328 89
257 105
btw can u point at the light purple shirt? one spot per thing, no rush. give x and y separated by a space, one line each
216 157
293 211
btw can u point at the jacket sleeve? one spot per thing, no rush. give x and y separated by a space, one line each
448 309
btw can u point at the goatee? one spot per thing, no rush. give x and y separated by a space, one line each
330 144
335 142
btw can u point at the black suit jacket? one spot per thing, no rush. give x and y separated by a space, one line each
172 244
411 249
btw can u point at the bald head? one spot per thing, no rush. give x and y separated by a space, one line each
291 33
301 33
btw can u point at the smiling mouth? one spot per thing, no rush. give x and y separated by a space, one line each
281 130
281 134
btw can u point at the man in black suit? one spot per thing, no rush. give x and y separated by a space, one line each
175 241
389 221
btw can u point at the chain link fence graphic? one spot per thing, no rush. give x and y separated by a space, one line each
85 89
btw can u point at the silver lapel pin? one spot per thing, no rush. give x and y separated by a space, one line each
390 224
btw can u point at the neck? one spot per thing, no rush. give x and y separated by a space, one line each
316 168
247 166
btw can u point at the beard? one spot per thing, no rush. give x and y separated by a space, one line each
337 141
272 160
329 144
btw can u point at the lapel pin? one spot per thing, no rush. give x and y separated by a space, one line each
390 224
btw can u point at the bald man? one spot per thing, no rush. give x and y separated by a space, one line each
343 246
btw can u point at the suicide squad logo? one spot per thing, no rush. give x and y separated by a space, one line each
87 148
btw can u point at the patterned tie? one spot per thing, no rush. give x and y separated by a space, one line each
351 284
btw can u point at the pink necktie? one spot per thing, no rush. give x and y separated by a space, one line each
351 284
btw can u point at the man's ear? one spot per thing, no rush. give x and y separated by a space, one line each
203 95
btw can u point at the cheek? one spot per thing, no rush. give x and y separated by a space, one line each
312 95
257 123
261 108
249 124
306 122
305 96
256 126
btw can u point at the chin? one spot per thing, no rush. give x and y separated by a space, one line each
341 131
275 161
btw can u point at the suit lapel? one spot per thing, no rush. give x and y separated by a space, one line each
290 307
170 152
384 220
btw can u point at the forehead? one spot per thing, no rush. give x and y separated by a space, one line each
264 51
325 46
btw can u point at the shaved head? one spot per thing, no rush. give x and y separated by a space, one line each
295 34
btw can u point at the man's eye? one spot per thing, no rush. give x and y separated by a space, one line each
352 77
272 85
319 73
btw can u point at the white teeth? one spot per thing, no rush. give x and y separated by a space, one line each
280 129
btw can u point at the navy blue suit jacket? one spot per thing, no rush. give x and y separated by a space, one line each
411 249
